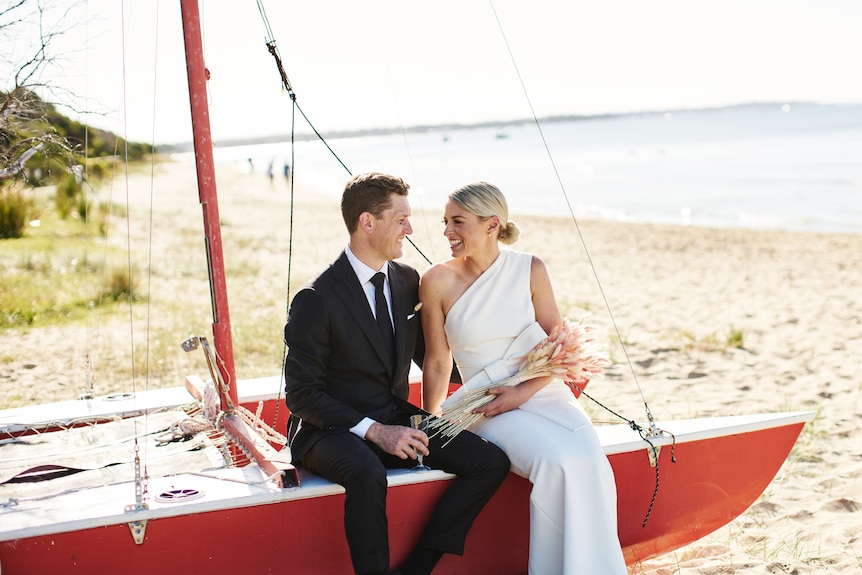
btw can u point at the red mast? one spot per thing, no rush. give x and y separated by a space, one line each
198 75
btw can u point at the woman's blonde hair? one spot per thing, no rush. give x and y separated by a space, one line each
486 200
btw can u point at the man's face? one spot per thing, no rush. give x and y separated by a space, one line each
388 232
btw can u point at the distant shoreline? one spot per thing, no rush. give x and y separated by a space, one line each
387 131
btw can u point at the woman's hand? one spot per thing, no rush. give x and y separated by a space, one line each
508 397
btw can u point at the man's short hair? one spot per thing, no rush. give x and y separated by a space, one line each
369 192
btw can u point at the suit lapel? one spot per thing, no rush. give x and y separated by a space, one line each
351 292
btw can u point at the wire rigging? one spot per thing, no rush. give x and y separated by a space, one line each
152 196
574 218
403 130
140 481
285 82
653 430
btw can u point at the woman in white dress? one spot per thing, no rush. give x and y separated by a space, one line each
487 308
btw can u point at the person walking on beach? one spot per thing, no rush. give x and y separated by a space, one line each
346 381
488 308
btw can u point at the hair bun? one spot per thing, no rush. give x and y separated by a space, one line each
509 233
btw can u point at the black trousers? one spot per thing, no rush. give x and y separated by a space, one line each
360 467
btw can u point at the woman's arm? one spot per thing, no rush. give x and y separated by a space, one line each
437 368
544 302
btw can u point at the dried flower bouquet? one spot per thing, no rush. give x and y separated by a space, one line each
569 353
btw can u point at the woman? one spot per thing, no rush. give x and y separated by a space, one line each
487 308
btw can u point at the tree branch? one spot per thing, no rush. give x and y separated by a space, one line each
19 164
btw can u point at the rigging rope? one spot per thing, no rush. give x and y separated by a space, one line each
140 477
645 434
273 50
285 84
653 429
574 218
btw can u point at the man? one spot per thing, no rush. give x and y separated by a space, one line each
347 387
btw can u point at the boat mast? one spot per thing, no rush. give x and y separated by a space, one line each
198 75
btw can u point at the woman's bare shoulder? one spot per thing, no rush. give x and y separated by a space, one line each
537 266
440 271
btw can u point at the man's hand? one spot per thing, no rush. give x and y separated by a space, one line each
398 440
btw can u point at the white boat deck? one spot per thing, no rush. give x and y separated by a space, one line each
170 496
106 502
68 413
187 493
622 439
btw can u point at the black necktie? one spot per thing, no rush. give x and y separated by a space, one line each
382 313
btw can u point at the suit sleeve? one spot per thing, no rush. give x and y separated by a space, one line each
308 337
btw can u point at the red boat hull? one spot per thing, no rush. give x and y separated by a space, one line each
713 481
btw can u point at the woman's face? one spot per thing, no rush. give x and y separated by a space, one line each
466 231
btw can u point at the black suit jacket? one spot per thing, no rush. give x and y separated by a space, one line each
336 372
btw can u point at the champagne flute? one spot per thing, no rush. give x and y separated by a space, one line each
419 422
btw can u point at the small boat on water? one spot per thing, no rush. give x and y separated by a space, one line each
189 479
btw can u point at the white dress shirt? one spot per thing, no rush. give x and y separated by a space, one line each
364 274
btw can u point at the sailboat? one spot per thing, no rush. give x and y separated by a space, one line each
676 480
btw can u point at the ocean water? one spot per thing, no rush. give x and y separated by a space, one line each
791 167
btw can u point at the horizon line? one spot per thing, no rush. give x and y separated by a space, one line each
188 146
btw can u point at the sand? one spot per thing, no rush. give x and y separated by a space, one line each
682 300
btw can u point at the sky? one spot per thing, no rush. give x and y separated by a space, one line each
357 64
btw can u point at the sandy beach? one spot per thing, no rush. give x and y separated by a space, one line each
714 322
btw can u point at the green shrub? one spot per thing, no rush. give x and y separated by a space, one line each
16 210
68 197
735 338
120 285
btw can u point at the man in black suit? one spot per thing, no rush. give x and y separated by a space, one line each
347 386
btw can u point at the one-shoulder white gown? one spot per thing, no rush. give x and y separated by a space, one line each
549 439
